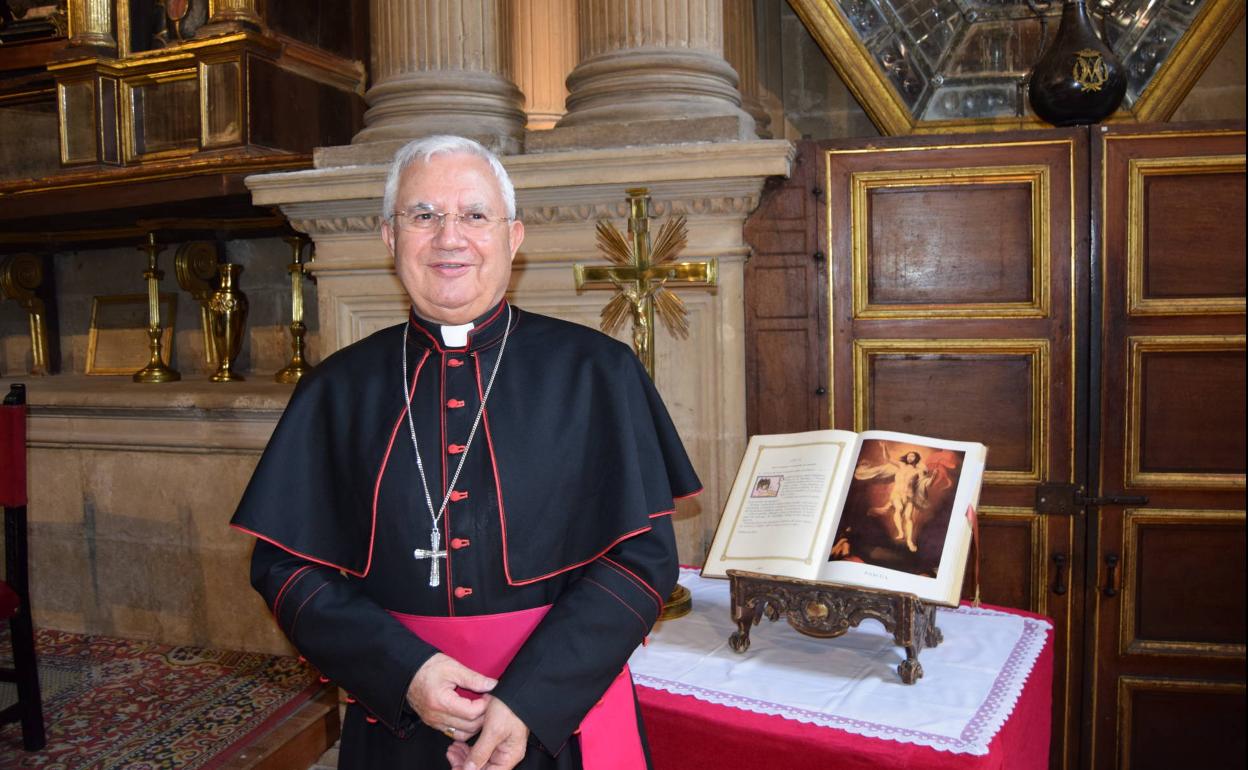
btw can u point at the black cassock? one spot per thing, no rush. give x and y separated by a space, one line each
563 500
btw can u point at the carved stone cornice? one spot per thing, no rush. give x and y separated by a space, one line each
725 205
711 180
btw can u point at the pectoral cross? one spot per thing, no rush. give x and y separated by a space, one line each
433 554
641 275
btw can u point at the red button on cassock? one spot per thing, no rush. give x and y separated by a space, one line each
455 362
456 495
455 449
454 403
460 542
462 591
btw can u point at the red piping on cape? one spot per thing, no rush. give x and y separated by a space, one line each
644 627
620 567
281 594
561 570
301 555
672 510
381 469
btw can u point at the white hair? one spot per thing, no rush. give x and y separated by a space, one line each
423 150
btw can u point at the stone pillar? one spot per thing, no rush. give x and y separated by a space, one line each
544 46
91 23
655 61
741 52
442 66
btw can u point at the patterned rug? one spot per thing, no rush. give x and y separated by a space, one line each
119 704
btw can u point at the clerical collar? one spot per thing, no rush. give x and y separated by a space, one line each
482 331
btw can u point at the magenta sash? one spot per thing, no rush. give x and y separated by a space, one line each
487 643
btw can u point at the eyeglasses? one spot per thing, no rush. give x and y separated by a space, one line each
428 220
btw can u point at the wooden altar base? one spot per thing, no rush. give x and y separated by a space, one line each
827 611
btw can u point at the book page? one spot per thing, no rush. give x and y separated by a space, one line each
783 504
904 525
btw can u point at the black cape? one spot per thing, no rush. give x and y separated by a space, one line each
574 425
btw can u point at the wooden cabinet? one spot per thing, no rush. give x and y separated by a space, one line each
1074 299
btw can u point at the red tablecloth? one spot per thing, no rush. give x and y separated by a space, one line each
688 734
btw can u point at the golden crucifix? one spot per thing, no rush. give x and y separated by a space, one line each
641 275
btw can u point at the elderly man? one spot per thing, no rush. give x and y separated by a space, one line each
463 519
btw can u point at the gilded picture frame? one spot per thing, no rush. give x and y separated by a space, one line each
973 57
117 342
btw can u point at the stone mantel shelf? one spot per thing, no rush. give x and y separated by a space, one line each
81 412
602 169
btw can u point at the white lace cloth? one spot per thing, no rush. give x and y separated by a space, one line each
970 683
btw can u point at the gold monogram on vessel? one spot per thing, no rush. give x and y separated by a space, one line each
1090 71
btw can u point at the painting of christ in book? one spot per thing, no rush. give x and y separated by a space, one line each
897 510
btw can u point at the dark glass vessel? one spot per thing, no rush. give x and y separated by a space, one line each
1078 80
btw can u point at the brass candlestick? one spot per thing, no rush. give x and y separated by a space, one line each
156 369
297 367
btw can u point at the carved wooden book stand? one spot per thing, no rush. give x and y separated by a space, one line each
827 611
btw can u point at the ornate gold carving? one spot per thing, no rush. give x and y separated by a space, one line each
1133 520
827 611
21 275
1138 346
195 265
1036 176
639 272
1037 353
1138 170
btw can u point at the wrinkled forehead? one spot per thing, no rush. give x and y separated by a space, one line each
450 179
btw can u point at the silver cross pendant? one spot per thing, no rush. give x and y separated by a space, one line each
433 554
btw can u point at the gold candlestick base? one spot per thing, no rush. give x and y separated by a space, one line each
156 371
678 605
292 372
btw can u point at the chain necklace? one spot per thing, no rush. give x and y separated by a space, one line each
435 518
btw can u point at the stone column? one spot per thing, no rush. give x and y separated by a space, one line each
544 46
91 23
655 60
741 52
442 66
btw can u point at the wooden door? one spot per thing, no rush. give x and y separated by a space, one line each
1166 591
956 271
786 359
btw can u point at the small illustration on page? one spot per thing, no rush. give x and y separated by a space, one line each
766 486
897 511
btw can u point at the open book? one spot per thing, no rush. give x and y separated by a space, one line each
874 509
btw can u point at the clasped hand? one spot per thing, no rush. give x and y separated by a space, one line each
432 696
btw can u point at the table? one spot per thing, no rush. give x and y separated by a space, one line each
687 730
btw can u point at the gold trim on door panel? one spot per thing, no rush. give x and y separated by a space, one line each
1126 684
1036 176
1128 644
1138 169
1137 347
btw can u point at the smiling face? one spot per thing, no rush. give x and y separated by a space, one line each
453 274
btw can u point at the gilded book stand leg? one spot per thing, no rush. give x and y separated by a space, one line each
827 611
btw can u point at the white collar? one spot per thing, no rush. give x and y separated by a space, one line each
456 336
